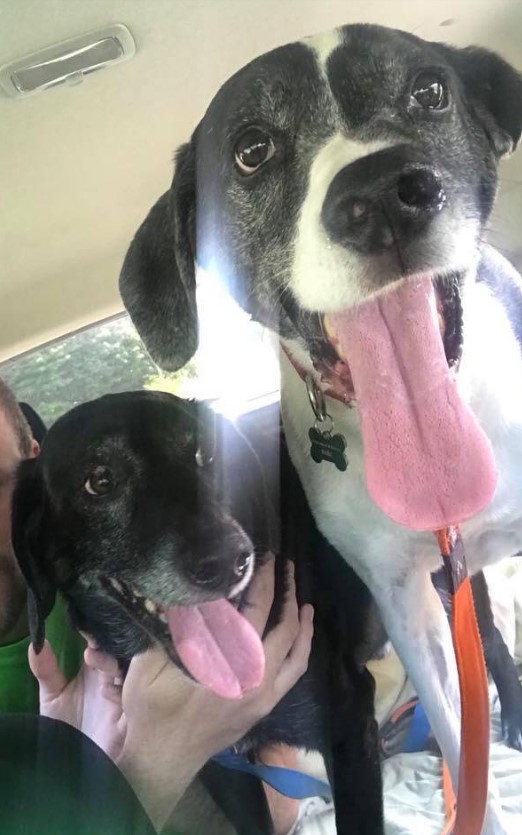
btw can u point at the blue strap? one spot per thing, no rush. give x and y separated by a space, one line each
284 780
299 786
418 732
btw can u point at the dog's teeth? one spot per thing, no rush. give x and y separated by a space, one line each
150 606
116 585
163 617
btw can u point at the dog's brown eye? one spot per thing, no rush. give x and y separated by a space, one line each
253 149
100 482
429 92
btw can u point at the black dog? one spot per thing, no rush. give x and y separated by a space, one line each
139 503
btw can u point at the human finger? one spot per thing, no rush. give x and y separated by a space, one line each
280 639
103 662
260 595
44 667
112 690
89 640
108 673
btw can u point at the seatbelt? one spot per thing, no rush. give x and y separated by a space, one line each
418 732
286 781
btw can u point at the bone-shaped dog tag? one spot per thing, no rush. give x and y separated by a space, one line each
328 447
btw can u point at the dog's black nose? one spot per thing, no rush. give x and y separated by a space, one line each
220 559
208 571
382 200
421 188
213 572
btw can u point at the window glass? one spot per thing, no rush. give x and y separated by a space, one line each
235 366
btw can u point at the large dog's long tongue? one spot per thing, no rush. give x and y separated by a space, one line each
428 463
218 646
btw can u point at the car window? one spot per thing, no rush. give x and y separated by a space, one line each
235 366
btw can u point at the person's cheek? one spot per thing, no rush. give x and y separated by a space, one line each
5 520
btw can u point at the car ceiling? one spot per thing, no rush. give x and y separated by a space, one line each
81 165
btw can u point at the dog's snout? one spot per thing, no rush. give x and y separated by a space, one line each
421 188
381 201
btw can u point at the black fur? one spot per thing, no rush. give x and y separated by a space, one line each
163 250
500 665
158 523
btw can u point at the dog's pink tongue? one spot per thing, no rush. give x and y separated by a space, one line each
428 463
218 646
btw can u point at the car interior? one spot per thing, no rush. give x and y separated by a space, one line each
86 150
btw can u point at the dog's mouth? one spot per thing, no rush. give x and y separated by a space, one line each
334 367
428 463
211 641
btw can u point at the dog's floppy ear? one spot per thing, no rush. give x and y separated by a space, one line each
494 88
157 281
28 537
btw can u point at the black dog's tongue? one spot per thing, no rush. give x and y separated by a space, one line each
218 646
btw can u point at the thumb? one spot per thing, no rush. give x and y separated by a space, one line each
44 667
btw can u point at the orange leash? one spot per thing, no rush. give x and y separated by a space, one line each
468 816
450 804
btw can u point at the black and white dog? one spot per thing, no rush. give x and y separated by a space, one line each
357 167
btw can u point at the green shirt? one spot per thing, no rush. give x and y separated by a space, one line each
18 686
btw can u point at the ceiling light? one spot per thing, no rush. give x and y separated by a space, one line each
67 62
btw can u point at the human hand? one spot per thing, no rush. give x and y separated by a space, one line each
175 725
161 727
91 702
